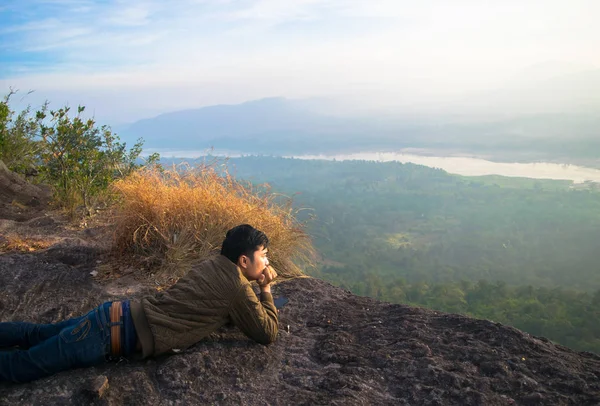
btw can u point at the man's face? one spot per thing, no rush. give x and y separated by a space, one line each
253 267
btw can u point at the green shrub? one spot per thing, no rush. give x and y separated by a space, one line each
75 156
81 159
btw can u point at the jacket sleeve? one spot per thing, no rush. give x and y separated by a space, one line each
257 319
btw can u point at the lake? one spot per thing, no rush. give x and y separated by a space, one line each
468 166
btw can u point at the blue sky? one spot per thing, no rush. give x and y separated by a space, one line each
128 59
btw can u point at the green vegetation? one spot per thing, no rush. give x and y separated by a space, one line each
518 251
72 154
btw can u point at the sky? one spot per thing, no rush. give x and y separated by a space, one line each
130 59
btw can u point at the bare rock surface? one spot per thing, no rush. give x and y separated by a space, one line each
333 348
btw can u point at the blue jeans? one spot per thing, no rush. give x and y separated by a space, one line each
45 349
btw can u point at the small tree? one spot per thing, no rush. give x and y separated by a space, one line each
81 159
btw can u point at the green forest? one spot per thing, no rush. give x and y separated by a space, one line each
523 252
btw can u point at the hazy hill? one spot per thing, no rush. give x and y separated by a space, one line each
267 125
550 119
257 128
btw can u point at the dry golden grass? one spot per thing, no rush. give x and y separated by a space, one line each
178 216
15 243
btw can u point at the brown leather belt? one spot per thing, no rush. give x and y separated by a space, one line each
116 314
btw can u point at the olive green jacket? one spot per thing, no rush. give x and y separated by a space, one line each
212 294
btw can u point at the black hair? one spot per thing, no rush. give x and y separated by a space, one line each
243 240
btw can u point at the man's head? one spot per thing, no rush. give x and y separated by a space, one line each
246 247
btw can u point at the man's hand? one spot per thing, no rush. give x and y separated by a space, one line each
265 279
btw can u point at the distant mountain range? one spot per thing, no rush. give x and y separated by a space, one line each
557 115
273 125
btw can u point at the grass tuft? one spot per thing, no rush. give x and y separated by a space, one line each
175 217
15 243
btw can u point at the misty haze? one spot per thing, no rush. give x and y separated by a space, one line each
438 154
